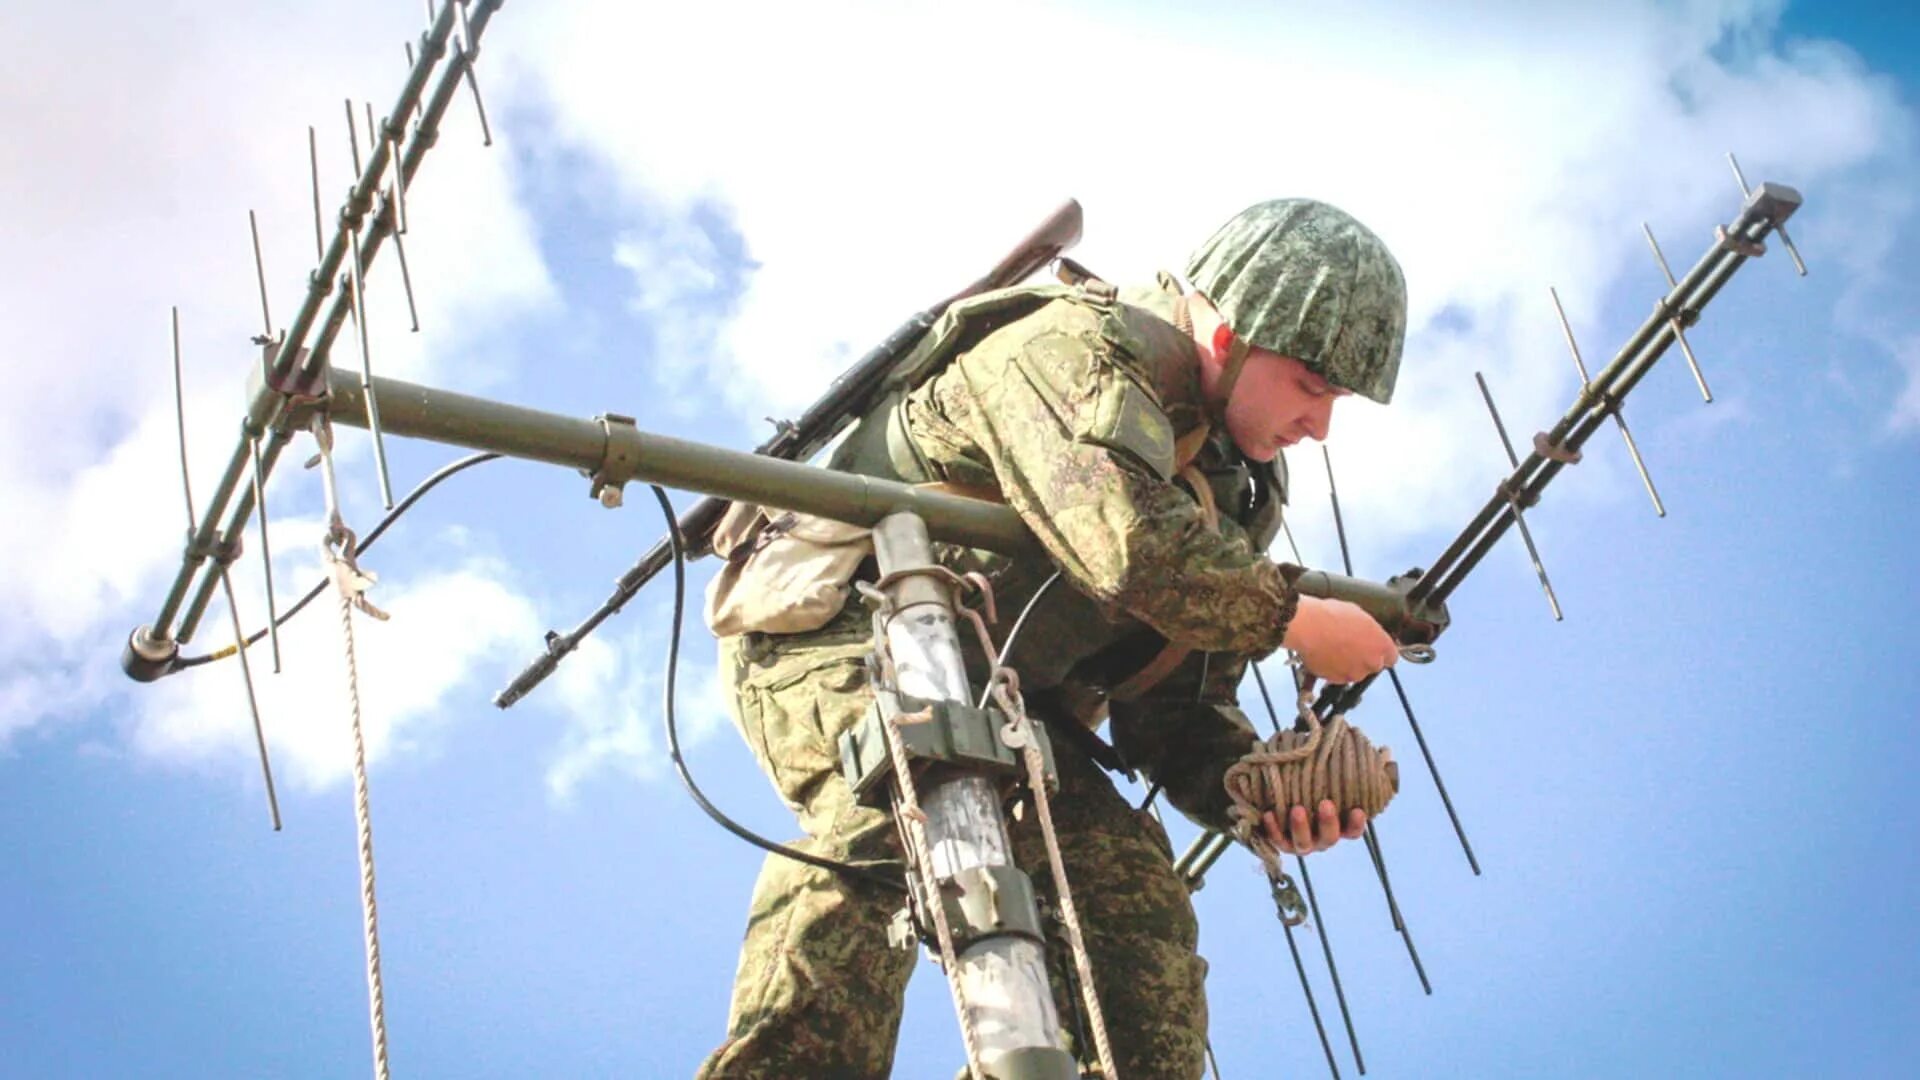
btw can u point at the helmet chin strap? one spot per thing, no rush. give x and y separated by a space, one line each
1231 347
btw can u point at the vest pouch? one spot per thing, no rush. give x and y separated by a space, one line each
786 573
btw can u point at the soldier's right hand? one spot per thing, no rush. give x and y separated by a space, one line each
1338 641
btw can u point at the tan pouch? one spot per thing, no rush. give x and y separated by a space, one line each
786 573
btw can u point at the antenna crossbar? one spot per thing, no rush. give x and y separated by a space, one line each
1766 208
302 356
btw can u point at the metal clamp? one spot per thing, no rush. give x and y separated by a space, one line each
1288 904
985 902
1739 245
934 733
621 460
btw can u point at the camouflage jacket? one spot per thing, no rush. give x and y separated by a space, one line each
1072 412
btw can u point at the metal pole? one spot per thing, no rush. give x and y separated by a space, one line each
1003 979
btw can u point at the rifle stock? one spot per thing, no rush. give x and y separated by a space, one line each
845 400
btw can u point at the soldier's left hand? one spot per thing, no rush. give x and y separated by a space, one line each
1297 838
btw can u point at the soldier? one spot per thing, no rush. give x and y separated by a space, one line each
1137 434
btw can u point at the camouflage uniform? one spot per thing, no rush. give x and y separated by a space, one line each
1071 410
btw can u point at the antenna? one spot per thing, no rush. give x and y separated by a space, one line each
1514 496
224 558
1406 705
1780 228
1611 406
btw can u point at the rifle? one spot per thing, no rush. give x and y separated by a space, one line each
846 400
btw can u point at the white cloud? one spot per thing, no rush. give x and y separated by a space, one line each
1906 408
871 157
442 626
610 691
145 134
875 156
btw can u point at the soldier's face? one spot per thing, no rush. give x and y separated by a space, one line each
1277 403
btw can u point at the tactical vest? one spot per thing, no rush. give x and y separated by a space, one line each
1088 654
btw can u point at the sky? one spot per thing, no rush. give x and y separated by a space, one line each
1692 799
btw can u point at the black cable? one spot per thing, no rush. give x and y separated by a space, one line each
872 877
1013 635
363 544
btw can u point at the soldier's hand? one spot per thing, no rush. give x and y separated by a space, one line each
1296 838
1338 641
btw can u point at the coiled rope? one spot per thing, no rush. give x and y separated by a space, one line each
1304 768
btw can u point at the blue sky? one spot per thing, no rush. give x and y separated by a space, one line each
1691 799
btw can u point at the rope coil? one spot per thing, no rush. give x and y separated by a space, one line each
1304 768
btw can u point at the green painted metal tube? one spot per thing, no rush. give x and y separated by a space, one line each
614 452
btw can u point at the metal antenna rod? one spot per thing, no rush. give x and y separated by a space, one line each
266 552
406 275
260 273
1326 949
267 347
1513 499
1393 906
1339 524
1741 178
358 285
356 268
399 182
314 328
226 580
1666 307
313 159
419 112
465 52
1313 1007
1313 902
1340 527
1439 785
1612 405
180 415
353 138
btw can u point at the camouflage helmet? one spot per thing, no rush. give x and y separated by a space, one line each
1306 280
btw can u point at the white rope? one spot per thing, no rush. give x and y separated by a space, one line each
1018 734
352 583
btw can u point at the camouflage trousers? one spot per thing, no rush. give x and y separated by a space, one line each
819 993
